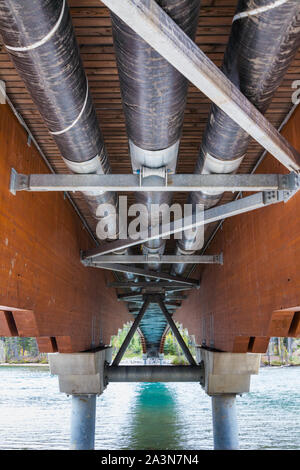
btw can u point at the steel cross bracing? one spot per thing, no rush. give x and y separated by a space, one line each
160 301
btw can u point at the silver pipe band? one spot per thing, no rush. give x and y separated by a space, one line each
214 165
93 165
154 158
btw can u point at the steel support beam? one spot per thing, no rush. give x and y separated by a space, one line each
155 26
133 304
144 272
132 183
225 426
240 206
152 286
161 259
130 333
154 374
130 296
175 331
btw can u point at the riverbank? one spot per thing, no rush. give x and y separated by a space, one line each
126 362
23 364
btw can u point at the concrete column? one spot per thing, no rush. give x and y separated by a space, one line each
83 419
82 376
161 358
225 426
144 356
225 376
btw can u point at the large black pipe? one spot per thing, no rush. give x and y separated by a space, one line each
154 98
153 92
39 37
260 50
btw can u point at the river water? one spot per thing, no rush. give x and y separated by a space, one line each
34 415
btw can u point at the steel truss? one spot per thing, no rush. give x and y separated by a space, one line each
159 300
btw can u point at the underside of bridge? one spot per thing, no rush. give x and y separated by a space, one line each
187 103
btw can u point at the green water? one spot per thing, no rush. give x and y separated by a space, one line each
34 415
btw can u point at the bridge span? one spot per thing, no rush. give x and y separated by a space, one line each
106 99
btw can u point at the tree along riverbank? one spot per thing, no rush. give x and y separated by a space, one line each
24 351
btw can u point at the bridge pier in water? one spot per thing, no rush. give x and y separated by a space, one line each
82 376
222 375
225 376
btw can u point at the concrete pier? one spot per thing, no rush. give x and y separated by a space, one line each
225 425
82 376
226 375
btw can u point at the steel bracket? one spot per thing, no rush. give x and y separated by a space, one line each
161 172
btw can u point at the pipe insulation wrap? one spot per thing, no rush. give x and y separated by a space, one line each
53 74
153 92
261 47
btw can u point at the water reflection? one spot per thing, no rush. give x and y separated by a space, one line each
156 421
34 415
